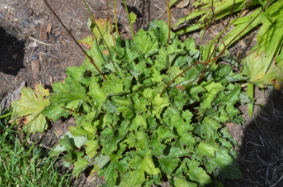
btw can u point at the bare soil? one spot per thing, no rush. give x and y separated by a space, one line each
35 48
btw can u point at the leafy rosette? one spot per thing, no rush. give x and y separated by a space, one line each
134 136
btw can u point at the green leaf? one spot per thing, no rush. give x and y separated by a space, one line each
66 142
78 131
133 17
91 147
212 89
161 30
190 45
144 163
197 174
75 93
102 161
180 101
207 128
145 43
96 54
140 104
110 174
231 110
80 166
96 93
110 144
87 40
137 122
102 27
227 167
195 91
132 179
161 61
156 145
158 103
180 125
187 115
151 123
28 109
164 133
127 112
156 76
172 73
55 112
178 152
142 140
253 67
182 182
77 73
187 139
115 85
125 54
230 98
168 164
207 149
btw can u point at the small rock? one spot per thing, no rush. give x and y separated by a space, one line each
24 23
34 57
15 95
22 14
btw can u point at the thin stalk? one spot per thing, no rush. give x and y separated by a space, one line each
94 22
169 21
115 17
132 31
91 60
108 11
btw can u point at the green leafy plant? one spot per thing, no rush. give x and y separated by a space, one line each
133 135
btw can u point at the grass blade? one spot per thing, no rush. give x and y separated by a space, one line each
250 92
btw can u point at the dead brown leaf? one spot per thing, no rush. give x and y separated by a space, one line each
183 4
42 33
35 68
49 27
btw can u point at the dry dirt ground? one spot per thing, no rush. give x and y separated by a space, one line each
35 48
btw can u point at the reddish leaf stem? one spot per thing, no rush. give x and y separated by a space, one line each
91 60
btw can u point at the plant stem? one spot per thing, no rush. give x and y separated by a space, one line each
91 60
132 31
94 22
169 21
115 17
108 11
215 58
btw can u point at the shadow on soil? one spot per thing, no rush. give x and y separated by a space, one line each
261 152
11 53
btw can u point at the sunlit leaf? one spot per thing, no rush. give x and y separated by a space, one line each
28 109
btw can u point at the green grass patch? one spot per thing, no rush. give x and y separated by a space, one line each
21 165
